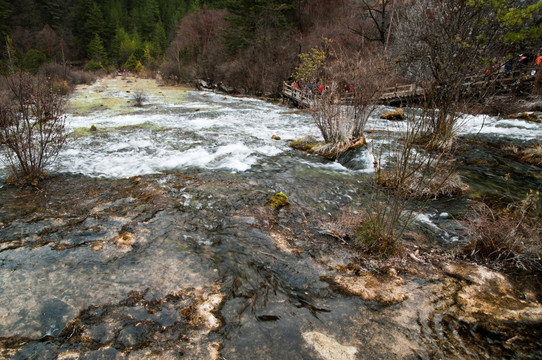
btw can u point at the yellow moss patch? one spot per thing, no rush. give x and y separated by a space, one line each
124 240
525 116
278 200
87 99
397 114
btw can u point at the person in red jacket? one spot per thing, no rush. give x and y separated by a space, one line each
538 74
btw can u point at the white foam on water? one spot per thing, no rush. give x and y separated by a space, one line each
216 131
225 133
510 128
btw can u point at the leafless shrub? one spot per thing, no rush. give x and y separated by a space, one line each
403 170
139 97
197 47
354 84
448 41
59 72
510 238
32 127
502 105
84 77
343 227
427 180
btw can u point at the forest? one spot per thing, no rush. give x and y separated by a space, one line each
253 45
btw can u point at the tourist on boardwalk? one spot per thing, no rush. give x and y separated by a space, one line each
538 73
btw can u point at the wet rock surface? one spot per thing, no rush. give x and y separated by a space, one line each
191 261
198 266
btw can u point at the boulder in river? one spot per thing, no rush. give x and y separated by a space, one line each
396 114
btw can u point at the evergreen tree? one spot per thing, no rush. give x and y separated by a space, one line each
89 20
147 16
5 11
53 12
147 57
254 22
159 39
133 64
96 50
122 46
32 60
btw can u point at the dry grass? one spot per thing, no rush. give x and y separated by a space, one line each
510 238
533 155
363 230
344 226
434 181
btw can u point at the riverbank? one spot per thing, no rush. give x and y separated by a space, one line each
153 239
197 264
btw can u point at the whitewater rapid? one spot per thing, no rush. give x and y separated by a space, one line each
209 131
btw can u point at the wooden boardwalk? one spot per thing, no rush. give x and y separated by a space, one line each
413 93
307 99
402 93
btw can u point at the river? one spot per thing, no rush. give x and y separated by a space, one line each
152 239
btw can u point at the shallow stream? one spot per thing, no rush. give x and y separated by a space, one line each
153 240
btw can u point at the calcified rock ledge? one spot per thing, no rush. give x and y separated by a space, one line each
199 267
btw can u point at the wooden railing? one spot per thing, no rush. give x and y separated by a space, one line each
303 98
402 91
307 98
502 82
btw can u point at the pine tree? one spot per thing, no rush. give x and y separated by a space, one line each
159 39
96 50
5 11
89 21
122 46
147 16
133 64
253 22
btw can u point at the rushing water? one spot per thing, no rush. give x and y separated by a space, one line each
211 131
183 259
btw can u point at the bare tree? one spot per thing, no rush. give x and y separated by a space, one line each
197 47
440 44
32 127
353 83
373 20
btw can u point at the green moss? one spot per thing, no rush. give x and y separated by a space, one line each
307 144
278 200
82 131
88 99
96 102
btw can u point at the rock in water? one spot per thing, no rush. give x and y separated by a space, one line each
396 115
278 200
329 348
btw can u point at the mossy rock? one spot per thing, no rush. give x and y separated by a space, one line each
278 201
330 151
306 144
395 115
525 116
